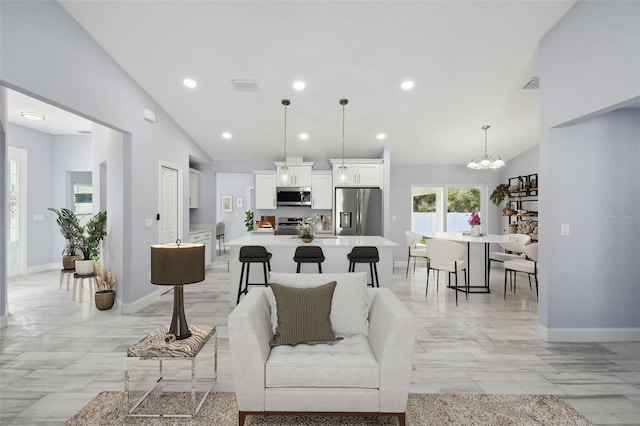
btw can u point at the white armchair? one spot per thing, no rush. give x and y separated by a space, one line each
365 373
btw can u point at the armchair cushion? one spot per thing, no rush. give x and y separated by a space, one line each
303 314
349 308
349 363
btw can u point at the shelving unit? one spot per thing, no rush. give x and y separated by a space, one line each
523 199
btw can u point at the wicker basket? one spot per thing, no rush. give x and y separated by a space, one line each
105 299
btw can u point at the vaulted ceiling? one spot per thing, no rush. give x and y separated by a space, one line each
469 61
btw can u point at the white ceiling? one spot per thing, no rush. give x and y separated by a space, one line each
57 121
469 61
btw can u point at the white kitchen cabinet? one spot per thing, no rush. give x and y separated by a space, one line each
299 174
322 190
203 237
194 189
357 173
265 190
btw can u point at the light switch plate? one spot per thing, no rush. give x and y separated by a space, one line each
564 229
148 222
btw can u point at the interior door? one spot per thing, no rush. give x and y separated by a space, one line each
17 223
168 223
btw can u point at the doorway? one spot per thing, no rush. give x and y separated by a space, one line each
17 221
169 219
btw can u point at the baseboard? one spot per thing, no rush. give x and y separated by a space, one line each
42 268
143 302
622 334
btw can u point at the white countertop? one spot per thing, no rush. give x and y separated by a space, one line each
267 239
200 227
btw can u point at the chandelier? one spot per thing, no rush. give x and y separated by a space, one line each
285 169
343 175
486 161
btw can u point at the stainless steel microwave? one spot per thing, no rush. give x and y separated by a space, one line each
294 196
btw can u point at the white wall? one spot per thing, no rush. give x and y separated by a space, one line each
590 63
82 78
4 307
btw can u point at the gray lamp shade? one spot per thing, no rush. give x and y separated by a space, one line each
173 264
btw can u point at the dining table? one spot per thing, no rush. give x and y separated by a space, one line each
465 237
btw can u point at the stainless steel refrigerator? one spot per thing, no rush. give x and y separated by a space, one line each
358 211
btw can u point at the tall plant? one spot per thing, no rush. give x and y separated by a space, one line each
84 238
69 226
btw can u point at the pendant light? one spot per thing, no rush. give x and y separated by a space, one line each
343 175
285 170
486 161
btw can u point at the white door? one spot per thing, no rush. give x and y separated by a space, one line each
168 205
17 223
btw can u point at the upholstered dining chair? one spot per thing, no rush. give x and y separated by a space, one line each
512 250
447 256
416 249
528 265
220 236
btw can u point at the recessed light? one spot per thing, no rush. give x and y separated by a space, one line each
32 115
189 83
303 136
226 135
407 85
299 85
380 136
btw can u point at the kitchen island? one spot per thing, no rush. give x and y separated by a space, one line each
282 248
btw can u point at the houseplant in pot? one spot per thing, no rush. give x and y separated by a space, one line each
499 194
105 288
83 238
69 226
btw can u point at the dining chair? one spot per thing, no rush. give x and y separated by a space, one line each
528 265
416 249
447 256
220 236
512 250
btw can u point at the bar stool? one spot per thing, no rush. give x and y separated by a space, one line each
308 254
365 254
68 273
249 255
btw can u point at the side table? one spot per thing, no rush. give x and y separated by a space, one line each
154 347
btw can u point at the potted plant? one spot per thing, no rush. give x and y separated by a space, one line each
248 220
85 238
105 288
69 226
474 221
305 231
499 194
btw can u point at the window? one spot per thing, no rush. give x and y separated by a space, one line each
83 201
433 211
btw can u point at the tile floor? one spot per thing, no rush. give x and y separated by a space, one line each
56 354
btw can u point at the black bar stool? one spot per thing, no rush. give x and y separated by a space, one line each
365 254
309 254
249 255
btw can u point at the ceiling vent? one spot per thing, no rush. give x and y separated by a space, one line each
244 85
533 83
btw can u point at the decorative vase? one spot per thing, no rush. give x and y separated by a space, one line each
475 230
307 239
104 299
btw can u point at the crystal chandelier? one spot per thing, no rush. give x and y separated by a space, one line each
486 161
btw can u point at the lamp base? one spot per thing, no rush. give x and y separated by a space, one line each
179 327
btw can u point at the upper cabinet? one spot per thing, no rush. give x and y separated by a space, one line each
298 174
322 190
357 172
194 189
265 191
